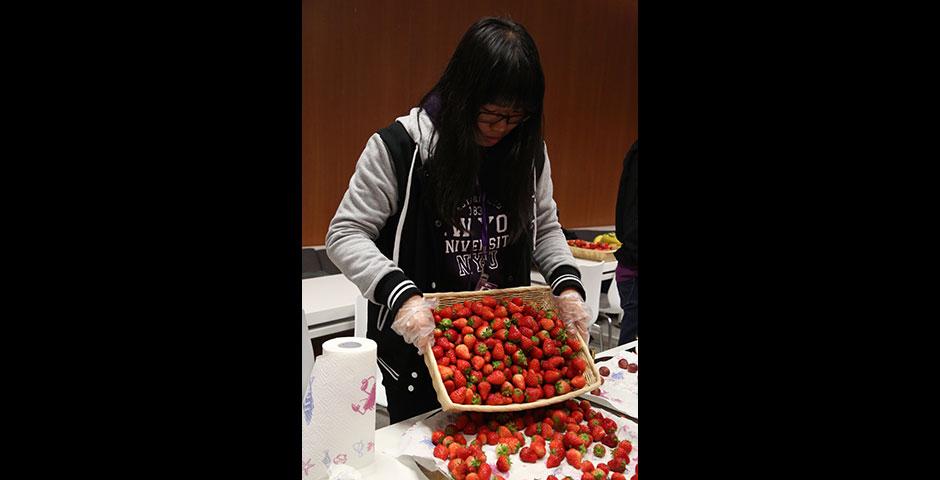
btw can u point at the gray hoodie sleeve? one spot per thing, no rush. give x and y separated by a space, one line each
551 253
371 199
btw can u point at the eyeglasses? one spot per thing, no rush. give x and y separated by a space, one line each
492 118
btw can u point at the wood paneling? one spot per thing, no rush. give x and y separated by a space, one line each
367 62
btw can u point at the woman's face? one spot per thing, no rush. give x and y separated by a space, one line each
495 122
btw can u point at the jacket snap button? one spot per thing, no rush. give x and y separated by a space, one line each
437 223
433 285
414 374
411 388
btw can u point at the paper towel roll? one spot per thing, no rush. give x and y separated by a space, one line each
339 419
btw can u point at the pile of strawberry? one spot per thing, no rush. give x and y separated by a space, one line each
570 430
591 245
493 352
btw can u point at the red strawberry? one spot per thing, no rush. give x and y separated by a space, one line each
499 323
485 471
598 474
438 352
572 440
498 352
574 343
470 341
548 390
551 376
587 466
518 396
573 456
480 348
578 382
484 332
604 467
457 396
562 387
513 334
463 366
484 389
518 380
617 465
546 324
489 301
503 463
447 373
437 436
597 433
538 448
626 445
554 460
459 379
440 451
533 394
496 378
617 476
579 364
527 455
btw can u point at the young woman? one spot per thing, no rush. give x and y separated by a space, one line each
454 196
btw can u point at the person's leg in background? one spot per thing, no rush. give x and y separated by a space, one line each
628 302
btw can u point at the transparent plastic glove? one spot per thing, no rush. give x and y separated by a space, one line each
576 315
415 323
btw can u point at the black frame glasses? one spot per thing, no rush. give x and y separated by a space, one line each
499 117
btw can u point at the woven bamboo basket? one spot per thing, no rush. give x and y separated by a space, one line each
539 296
597 255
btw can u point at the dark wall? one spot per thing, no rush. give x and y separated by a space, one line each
367 62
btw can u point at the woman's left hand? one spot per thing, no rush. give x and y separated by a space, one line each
575 313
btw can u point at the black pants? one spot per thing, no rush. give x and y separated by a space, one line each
628 302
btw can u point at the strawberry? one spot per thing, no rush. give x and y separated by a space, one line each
597 433
574 343
572 440
604 467
527 455
457 396
626 445
480 348
518 396
438 352
610 440
484 389
554 460
551 376
617 465
506 390
519 358
475 377
578 382
459 379
562 387
548 390
579 365
609 426
463 352
489 301
518 380
556 362
533 394
447 373
598 474
556 446
501 334
513 334
599 450
485 471
618 476
538 448
586 466
499 323
484 332
510 348
437 436
503 463
440 451
566 351
463 366
498 352
574 457
546 323
536 352
496 378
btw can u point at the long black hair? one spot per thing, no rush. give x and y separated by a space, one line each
495 62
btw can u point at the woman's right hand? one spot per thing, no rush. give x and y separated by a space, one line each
415 323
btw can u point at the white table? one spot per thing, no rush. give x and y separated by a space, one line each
329 304
607 274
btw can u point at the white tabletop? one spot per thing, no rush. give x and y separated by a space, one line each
328 298
607 274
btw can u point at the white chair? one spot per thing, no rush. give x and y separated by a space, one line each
307 355
359 330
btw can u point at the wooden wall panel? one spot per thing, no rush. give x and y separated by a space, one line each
367 62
